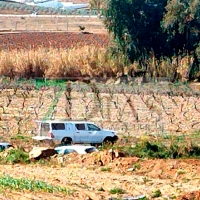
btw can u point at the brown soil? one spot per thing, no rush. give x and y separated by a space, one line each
91 179
48 39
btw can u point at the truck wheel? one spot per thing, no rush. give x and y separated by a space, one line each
66 141
108 141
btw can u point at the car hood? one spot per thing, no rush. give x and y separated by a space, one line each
109 130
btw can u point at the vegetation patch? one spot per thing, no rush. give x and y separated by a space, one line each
162 148
117 191
14 156
31 185
105 169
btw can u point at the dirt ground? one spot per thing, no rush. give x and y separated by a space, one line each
176 179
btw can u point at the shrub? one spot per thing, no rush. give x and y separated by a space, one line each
15 156
117 191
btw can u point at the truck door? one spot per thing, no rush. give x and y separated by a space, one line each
81 133
58 130
94 134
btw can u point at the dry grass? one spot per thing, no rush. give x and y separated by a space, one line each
86 61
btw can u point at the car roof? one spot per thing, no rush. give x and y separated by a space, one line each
63 121
4 143
75 147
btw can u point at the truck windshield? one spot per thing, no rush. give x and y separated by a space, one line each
92 127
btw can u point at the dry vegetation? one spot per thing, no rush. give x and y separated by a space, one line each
48 51
58 63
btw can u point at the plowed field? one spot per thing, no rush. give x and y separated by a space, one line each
48 39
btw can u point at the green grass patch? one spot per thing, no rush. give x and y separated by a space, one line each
157 194
117 191
162 148
105 169
8 182
21 137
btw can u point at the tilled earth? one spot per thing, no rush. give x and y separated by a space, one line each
92 176
30 40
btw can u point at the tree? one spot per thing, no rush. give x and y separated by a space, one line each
97 5
135 25
182 23
161 27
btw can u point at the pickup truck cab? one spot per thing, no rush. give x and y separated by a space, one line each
68 132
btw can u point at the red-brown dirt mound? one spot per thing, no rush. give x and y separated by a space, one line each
190 196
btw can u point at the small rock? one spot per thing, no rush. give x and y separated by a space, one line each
142 196
130 169
41 152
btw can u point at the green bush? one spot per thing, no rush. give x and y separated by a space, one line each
117 191
155 149
146 149
15 156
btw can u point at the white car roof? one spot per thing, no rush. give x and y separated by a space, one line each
4 144
80 149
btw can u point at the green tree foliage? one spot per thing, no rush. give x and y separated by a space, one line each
182 22
97 5
135 25
163 28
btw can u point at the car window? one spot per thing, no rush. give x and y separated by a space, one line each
92 127
45 127
91 150
58 126
80 126
2 147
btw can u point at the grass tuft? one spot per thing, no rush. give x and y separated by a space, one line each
117 191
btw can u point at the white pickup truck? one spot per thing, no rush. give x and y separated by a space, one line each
68 132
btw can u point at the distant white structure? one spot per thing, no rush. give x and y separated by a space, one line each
57 4
72 6
19 1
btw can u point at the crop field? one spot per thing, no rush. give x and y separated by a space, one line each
158 123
